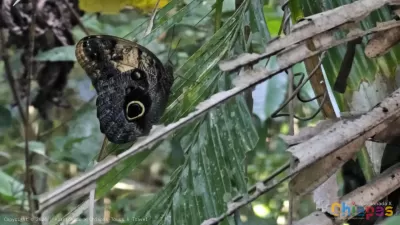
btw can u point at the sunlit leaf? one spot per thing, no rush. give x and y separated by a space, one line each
106 6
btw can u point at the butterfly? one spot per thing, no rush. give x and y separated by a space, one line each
132 84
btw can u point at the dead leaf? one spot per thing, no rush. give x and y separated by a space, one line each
382 42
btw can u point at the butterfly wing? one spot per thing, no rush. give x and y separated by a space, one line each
132 85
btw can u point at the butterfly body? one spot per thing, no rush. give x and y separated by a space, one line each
132 84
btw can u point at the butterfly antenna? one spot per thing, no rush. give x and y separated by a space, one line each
169 50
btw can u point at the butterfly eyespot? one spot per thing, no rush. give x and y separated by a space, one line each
134 110
138 74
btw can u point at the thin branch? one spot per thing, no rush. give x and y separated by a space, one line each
253 188
291 132
345 134
232 207
29 188
286 29
151 21
92 193
76 15
10 77
255 191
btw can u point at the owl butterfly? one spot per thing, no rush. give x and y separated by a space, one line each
132 84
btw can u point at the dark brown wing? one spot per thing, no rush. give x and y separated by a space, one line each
125 74
92 52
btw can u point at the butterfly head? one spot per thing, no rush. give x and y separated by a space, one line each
92 51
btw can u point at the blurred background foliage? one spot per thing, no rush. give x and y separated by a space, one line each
192 175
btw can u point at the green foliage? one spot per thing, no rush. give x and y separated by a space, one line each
64 53
34 146
392 221
10 188
5 119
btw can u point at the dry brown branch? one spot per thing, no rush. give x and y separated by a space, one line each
29 183
310 27
320 157
75 14
366 195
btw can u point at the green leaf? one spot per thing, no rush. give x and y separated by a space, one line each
5 119
163 22
213 168
44 169
82 142
64 53
196 78
84 137
257 14
105 183
215 146
395 220
10 188
34 146
269 95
